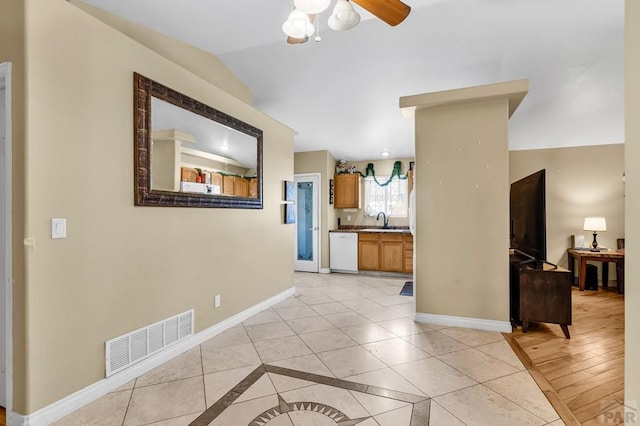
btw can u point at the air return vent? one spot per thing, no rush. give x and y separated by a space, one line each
124 351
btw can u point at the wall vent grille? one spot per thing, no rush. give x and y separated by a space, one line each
124 351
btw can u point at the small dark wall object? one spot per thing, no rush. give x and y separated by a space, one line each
411 165
331 189
591 278
289 190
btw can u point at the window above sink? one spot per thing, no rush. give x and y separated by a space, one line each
392 199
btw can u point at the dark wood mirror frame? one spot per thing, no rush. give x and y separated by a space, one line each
143 90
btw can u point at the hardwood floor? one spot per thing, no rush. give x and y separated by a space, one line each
583 377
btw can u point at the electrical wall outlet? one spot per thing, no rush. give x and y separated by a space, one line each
216 301
348 218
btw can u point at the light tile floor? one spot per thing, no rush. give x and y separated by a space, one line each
344 350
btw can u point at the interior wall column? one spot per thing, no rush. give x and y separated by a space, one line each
632 210
462 204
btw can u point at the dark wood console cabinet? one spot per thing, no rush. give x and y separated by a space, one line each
539 292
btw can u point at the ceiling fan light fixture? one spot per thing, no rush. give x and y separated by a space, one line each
298 25
311 7
344 16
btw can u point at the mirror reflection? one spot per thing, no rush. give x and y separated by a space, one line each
190 154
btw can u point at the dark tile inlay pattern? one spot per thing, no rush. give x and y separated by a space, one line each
284 407
421 404
216 409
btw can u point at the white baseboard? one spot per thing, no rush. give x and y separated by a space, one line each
324 271
342 271
477 323
15 419
76 400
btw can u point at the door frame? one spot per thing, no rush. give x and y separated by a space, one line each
317 212
6 285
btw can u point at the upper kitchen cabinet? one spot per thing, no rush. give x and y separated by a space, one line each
347 191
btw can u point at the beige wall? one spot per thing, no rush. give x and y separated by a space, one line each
12 49
382 168
632 167
197 61
320 162
122 267
462 200
580 182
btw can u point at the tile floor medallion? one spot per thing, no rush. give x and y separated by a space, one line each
344 350
294 397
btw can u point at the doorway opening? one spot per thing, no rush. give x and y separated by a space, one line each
307 241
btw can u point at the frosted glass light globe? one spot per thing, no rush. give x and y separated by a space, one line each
298 25
344 17
311 7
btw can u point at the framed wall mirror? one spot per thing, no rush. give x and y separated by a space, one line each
189 154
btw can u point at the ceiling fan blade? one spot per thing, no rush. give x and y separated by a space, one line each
390 11
293 40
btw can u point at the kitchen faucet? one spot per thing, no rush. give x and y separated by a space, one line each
385 221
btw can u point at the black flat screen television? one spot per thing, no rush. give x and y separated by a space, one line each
528 217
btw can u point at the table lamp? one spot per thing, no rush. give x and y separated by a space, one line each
594 224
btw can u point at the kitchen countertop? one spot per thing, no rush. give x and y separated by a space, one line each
369 229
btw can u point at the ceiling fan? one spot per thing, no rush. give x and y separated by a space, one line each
299 25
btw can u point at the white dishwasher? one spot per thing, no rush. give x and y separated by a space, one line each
343 251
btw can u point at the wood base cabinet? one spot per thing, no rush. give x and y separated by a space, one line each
388 252
408 253
368 252
391 253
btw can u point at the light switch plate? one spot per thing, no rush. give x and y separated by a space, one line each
58 228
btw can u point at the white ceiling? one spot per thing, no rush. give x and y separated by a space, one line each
342 93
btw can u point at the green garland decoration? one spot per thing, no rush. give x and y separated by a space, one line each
397 167
200 171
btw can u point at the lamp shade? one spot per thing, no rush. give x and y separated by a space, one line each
595 224
344 17
298 25
311 7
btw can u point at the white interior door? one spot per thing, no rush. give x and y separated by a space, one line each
307 250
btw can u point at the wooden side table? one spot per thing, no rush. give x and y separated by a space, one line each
605 256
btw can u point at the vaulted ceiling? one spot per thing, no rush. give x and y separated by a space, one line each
341 94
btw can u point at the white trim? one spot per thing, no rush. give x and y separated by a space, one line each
477 323
318 212
325 271
344 271
7 286
69 404
15 419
